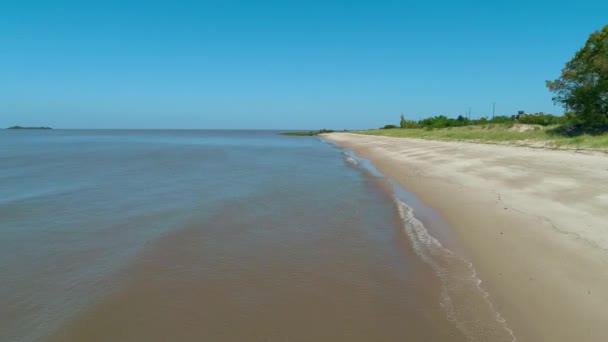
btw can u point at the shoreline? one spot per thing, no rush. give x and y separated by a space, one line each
531 221
464 302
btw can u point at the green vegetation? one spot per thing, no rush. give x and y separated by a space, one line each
522 134
403 123
537 129
306 133
21 127
389 127
583 84
582 89
443 121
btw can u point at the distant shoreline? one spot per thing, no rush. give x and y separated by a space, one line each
306 133
514 134
26 127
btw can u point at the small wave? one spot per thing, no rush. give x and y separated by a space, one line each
330 143
350 159
36 194
463 299
446 264
362 163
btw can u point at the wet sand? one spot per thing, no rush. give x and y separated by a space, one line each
534 222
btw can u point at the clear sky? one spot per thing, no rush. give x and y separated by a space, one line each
281 64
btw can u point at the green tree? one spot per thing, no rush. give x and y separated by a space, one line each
583 84
403 122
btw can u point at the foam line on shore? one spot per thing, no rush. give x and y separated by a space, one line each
426 246
448 266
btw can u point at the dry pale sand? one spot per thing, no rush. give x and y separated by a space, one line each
533 221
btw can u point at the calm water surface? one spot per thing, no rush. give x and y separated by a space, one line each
204 235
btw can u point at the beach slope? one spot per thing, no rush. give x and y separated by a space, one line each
533 221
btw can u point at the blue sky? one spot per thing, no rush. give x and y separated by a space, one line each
280 64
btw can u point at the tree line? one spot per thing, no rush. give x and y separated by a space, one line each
442 121
582 89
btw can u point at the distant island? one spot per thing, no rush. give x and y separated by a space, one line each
23 127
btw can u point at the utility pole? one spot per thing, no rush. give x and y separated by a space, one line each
493 109
469 113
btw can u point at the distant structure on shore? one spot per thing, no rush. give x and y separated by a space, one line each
519 115
23 127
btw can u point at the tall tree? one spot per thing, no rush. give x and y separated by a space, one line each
583 84
403 122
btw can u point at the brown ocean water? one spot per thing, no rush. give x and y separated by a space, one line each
200 235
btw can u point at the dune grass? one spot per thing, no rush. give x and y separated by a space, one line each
551 136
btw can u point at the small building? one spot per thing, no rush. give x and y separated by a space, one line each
519 115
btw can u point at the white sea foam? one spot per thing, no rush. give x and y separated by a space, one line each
462 292
431 251
331 143
350 158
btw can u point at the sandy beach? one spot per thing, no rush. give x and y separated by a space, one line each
533 221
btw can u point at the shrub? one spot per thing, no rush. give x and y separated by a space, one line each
543 119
